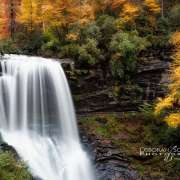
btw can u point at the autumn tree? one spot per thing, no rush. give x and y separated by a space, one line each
13 6
29 13
3 28
152 8
169 107
8 13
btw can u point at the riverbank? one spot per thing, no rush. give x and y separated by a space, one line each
116 141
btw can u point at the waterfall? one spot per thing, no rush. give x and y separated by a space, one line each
37 118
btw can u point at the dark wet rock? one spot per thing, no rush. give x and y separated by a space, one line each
36 178
67 64
112 164
1 55
4 147
1 139
109 162
153 77
152 66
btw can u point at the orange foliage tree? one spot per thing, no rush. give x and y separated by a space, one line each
152 9
4 19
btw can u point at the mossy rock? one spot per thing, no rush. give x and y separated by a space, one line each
12 169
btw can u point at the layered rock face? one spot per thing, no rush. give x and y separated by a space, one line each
109 162
94 92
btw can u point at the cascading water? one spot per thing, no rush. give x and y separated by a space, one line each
37 118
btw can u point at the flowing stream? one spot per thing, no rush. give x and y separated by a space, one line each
37 118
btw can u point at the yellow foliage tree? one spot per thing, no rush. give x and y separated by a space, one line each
87 14
127 9
115 4
30 13
55 13
62 13
152 8
171 103
129 12
52 14
99 6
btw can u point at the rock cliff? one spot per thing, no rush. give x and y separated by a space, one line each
93 91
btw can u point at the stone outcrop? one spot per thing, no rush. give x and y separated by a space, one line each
94 92
153 77
109 162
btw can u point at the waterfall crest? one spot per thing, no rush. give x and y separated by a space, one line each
38 118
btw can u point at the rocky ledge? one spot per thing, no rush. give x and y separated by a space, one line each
93 94
109 162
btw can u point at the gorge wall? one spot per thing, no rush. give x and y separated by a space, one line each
95 92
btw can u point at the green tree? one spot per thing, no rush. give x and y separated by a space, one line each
125 47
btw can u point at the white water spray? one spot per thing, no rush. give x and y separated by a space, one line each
37 118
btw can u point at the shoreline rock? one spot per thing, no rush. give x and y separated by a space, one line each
109 162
